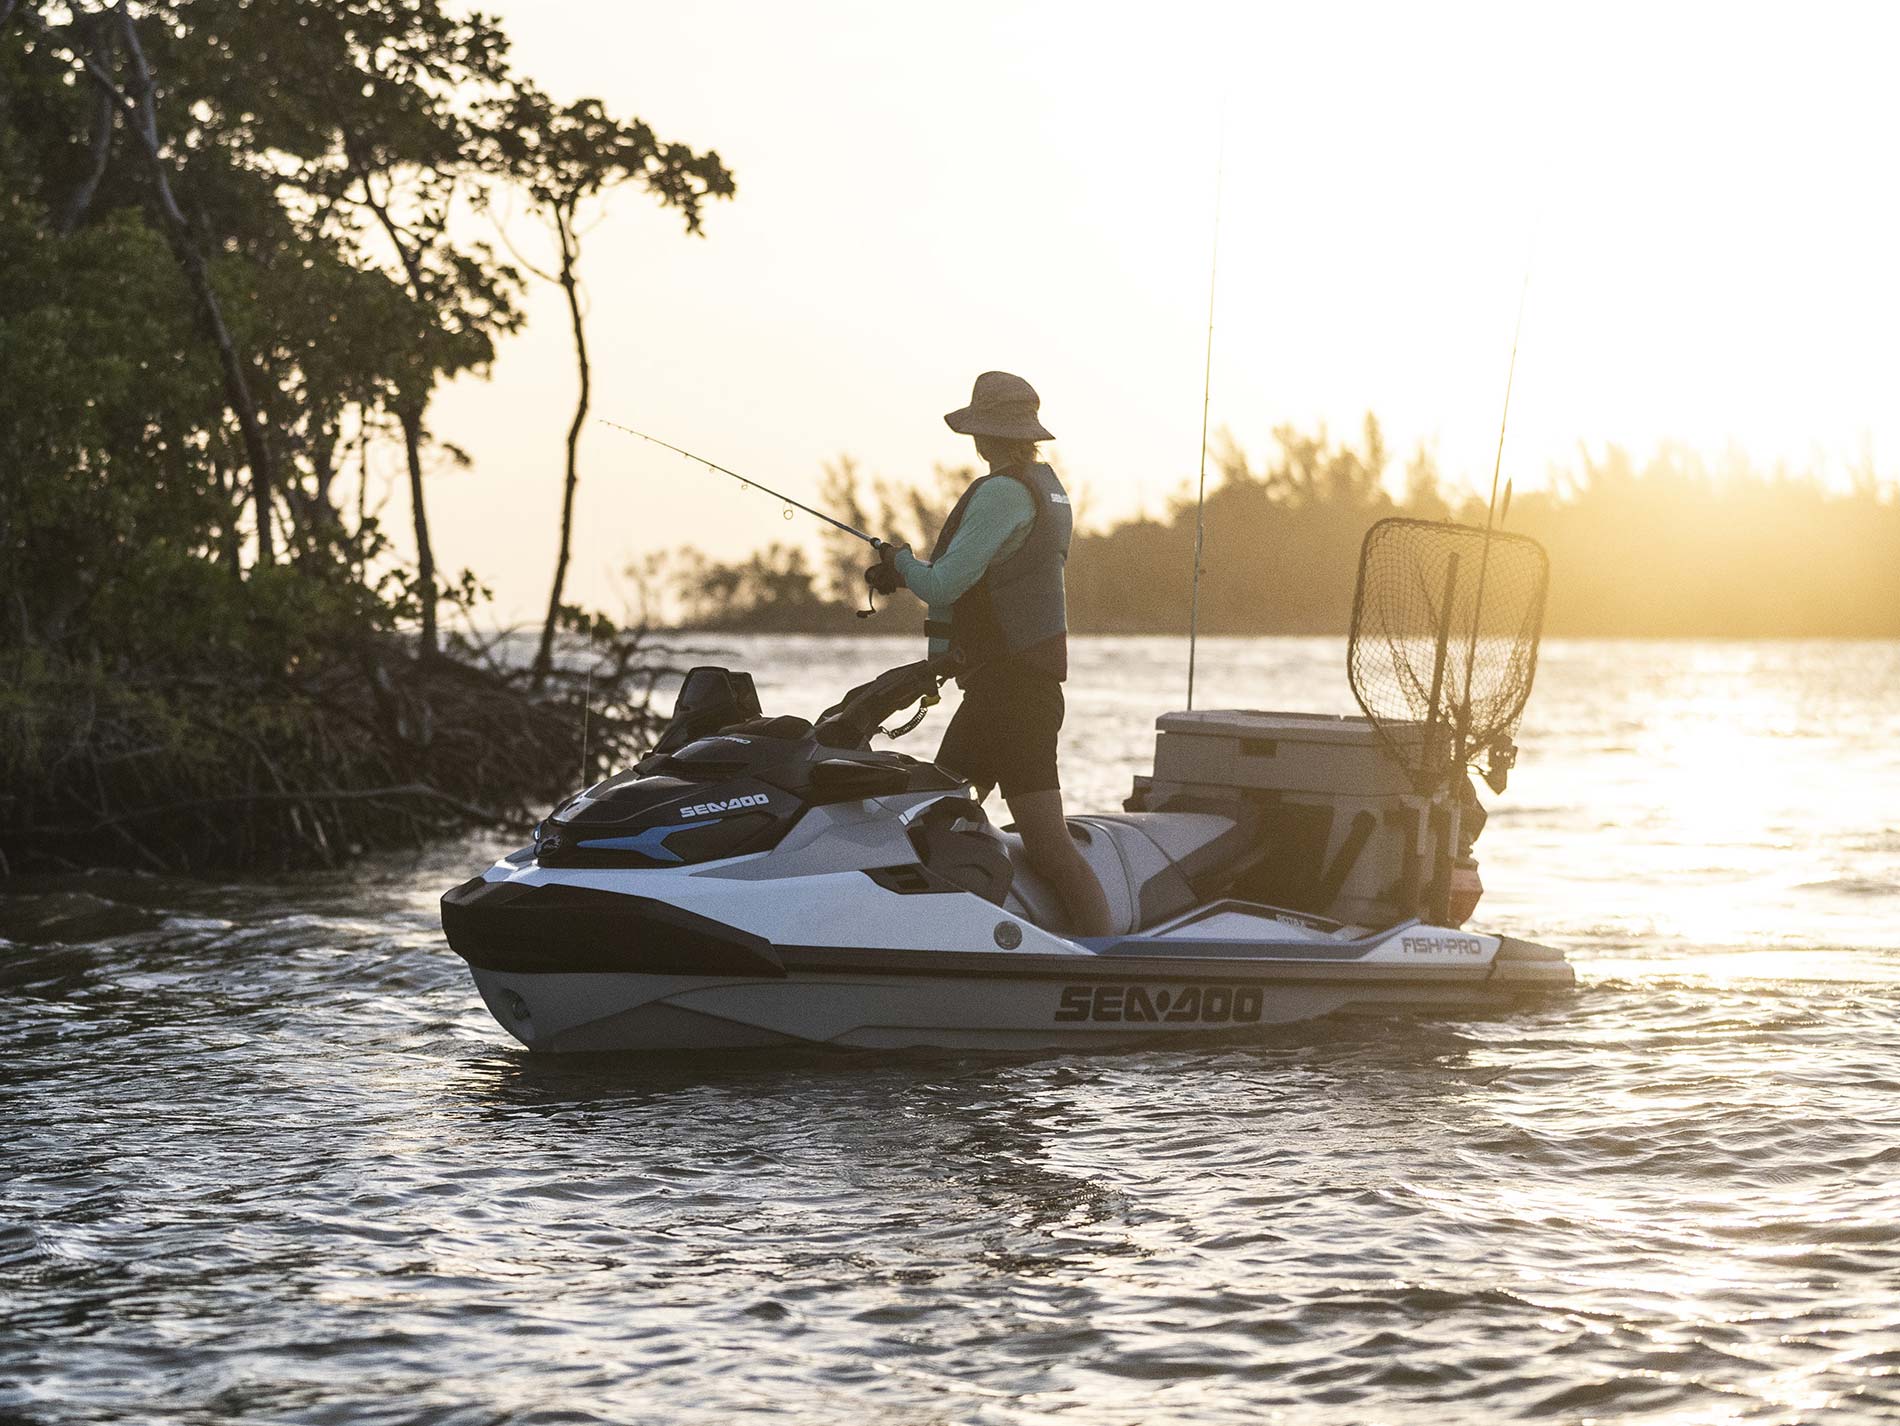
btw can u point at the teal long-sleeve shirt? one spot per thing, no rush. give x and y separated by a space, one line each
995 525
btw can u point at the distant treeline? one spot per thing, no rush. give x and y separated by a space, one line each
1675 546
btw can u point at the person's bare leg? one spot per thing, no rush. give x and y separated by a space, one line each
1053 855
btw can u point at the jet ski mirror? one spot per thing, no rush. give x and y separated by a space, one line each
842 780
709 699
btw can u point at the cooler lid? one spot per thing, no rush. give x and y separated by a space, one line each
1282 727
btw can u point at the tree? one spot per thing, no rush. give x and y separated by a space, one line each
314 157
137 104
229 268
771 589
408 96
566 156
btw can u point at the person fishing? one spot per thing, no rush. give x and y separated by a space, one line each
993 587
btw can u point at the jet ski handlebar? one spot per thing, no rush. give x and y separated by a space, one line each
861 712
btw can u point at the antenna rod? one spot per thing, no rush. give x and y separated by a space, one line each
852 530
1490 519
1207 387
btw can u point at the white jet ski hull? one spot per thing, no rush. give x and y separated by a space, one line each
849 997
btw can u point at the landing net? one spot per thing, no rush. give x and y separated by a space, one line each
1442 677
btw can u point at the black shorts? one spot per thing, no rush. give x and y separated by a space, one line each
1004 734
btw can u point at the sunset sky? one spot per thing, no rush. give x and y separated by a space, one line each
1705 198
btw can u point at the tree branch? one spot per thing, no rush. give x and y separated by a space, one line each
563 215
515 252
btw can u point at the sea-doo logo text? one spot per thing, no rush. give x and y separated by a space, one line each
1191 1004
1441 945
731 804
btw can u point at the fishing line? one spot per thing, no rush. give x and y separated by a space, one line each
1491 510
746 482
1207 386
587 706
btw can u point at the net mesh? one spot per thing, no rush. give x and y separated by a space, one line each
1441 676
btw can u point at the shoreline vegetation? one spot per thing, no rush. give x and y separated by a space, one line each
1673 547
242 247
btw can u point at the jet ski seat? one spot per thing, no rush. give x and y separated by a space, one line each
1152 866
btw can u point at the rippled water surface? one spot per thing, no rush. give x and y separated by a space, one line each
264 1157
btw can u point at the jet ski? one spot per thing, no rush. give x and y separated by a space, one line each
774 881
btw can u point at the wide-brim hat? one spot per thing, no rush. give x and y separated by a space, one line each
1001 405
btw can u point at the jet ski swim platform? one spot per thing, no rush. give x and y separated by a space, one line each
764 881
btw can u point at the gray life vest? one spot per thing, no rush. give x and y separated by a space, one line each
1016 615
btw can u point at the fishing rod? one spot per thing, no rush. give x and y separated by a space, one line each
851 530
1207 387
1438 908
1490 517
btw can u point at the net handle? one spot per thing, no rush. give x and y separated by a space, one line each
1428 756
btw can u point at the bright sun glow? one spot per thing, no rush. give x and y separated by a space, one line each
1702 195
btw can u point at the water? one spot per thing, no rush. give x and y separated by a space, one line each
266 1158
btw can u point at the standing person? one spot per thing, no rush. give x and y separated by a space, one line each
993 584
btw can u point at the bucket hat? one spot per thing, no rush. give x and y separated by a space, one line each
1000 405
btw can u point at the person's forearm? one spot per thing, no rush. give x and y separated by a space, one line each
995 514
951 577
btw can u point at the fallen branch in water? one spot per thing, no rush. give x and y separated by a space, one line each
479 816
367 747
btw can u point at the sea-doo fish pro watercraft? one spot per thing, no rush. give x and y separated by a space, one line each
764 881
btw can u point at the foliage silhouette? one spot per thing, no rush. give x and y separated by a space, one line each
235 266
1674 547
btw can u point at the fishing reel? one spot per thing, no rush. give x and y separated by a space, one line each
880 578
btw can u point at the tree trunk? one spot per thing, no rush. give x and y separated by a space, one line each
230 543
411 417
105 115
358 549
425 554
143 110
570 284
314 520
